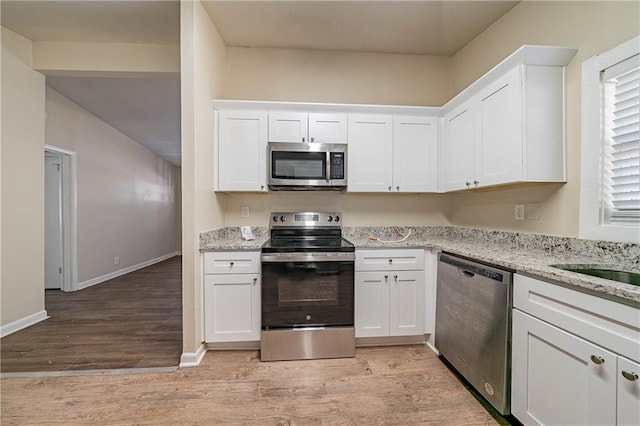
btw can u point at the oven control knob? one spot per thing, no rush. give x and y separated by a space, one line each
308 317
281 218
337 219
275 218
330 218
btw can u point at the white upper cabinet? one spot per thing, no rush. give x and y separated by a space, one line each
415 154
392 153
459 147
511 130
307 127
370 153
242 151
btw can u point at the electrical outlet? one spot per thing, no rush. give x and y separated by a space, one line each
518 212
245 211
116 260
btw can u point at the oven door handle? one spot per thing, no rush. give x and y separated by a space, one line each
307 257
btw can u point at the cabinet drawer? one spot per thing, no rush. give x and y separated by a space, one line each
390 260
240 262
607 323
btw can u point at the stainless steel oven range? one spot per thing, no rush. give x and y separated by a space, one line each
307 288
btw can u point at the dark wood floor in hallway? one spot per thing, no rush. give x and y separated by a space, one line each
132 321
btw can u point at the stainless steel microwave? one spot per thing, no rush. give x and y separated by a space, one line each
307 166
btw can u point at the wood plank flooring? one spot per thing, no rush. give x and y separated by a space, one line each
401 385
129 322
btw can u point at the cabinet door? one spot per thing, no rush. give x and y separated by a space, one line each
415 154
628 392
370 151
498 151
406 303
459 148
288 126
371 304
558 378
328 128
242 151
232 307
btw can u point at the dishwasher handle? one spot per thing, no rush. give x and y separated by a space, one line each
468 274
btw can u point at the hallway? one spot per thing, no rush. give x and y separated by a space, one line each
133 321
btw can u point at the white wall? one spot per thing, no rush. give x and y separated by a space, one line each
22 285
126 194
592 27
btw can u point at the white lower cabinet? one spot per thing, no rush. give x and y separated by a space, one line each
389 302
232 298
559 375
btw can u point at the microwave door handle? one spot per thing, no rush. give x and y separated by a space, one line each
328 166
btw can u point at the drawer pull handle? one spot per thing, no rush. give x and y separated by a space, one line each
630 376
597 359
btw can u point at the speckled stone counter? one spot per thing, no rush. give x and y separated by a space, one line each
530 254
229 239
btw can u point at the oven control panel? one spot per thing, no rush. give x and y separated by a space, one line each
305 219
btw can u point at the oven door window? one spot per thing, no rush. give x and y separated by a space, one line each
298 165
299 294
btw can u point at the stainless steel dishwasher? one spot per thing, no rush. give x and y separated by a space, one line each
473 325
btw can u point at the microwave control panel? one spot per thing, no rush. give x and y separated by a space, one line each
337 165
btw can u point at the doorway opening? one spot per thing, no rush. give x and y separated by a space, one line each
61 271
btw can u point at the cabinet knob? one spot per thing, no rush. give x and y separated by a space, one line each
631 376
303 139
261 186
313 139
468 184
597 359
390 260
389 187
475 182
230 263
398 188
386 277
255 280
395 277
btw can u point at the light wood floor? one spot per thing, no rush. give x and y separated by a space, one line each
402 385
131 321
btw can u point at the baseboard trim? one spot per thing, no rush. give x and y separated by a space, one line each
193 359
25 322
389 341
115 274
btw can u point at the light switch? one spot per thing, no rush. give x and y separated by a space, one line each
245 211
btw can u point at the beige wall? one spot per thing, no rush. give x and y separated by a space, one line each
126 194
336 77
22 284
203 61
592 27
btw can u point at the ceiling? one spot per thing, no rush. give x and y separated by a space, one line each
148 109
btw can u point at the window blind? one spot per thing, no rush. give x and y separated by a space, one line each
621 168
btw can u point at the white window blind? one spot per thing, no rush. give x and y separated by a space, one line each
621 149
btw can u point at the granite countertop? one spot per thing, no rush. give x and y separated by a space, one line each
529 254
